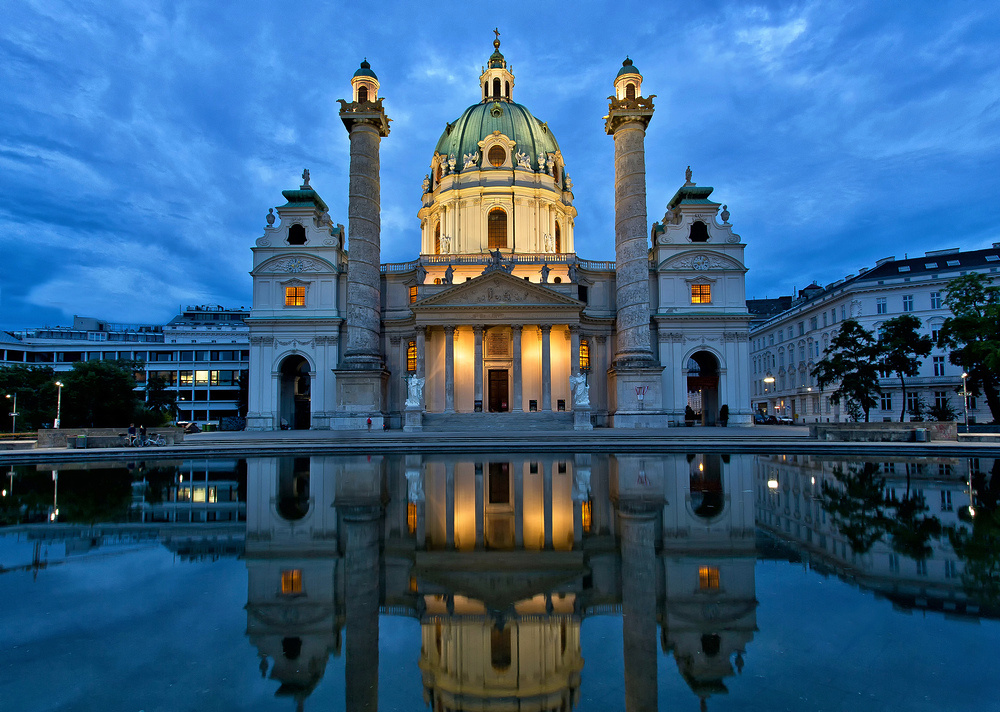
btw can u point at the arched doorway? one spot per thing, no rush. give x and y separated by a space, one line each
707 496
293 488
703 386
294 394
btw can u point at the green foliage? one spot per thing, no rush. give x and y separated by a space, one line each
979 547
851 361
902 346
99 394
160 400
243 399
36 396
942 413
917 410
864 514
973 334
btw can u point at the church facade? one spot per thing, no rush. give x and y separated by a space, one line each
498 322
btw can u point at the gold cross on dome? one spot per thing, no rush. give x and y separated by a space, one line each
496 31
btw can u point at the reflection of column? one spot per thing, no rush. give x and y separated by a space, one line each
477 332
638 605
519 504
574 349
421 341
449 369
546 369
516 405
480 508
449 504
547 500
361 567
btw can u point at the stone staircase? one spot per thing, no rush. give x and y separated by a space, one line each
485 423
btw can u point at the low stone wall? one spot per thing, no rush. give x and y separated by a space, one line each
100 437
884 432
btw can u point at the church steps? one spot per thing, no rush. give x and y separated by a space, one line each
482 423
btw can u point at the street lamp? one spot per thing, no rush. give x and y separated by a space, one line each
965 399
769 381
59 384
13 415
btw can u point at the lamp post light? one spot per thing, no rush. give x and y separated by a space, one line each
59 385
769 381
13 414
965 399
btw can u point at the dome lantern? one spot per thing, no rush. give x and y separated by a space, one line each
628 82
496 81
364 83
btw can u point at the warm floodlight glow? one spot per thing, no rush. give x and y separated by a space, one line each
772 484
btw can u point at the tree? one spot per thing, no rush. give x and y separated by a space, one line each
159 399
852 361
973 335
942 412
36 396
902 346
99 394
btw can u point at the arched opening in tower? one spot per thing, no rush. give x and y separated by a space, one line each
294 397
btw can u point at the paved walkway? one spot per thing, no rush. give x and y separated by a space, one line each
759 439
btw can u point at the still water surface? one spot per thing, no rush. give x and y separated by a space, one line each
499 582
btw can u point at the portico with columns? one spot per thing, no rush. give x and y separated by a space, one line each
497 344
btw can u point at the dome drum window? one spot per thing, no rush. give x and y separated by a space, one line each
497 156
496 228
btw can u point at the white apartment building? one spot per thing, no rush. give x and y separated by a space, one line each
785 348
200 354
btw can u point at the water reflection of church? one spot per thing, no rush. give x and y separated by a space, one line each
501 559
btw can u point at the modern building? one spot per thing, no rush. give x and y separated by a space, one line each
200 354
785 348
497 322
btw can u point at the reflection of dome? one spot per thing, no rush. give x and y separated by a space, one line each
462 136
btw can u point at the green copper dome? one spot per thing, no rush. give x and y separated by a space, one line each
463 135
627 68
365 71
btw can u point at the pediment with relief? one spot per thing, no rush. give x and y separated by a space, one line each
700 262
497 290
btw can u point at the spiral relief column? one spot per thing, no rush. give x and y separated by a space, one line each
634 365
362 378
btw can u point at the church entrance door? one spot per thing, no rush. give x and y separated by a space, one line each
499 401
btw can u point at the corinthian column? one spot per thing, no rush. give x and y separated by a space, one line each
638 604
361 565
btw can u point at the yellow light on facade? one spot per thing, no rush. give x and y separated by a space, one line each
291 581
586 515
772 484
708 578
411 517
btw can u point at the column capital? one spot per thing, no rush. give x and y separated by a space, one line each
477 329
449 329
574 328
545 328
421 329
516 327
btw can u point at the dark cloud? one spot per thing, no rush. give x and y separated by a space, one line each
143 142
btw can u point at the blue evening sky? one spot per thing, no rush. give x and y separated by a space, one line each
142 142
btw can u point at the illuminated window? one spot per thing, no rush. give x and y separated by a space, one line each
295 296
496 228
586 515
701 294
558 238
413 584
413 294
291 581
630 91
362 93
708 577
411 517
437 239
497 156
411 356
186 378
585 355
198 494
201 378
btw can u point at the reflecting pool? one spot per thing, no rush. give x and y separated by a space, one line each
502 582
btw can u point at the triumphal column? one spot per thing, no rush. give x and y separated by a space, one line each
362 377
634 380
